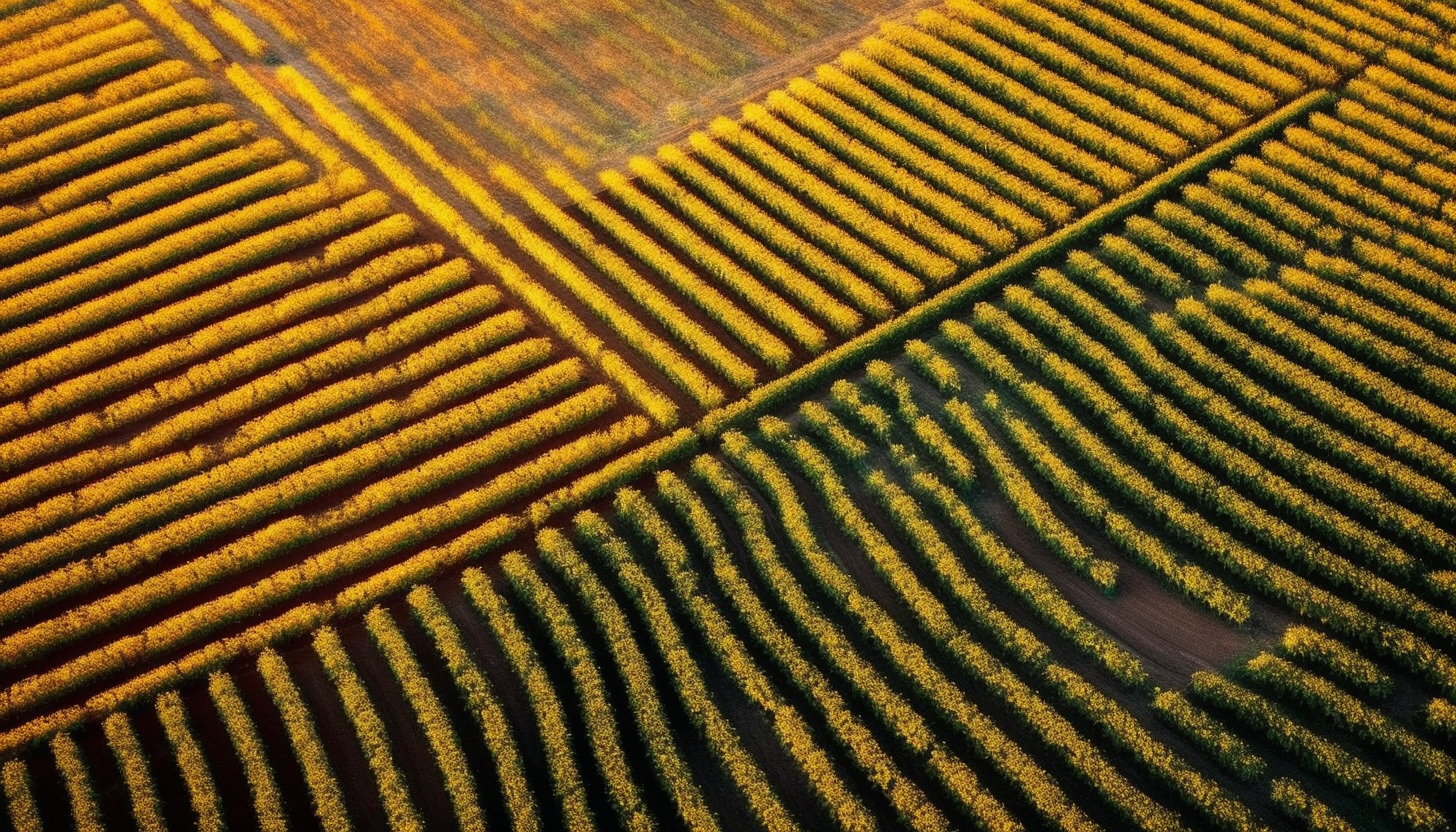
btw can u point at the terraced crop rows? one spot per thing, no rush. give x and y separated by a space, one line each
248 399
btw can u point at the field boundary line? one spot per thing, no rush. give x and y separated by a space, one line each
947 301
404 181
928 312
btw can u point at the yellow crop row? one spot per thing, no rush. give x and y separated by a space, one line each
1135 37
1194 530
292 378
1209 734
1441 717
541 696
166 189
1062 738
677 274
85 811
949 222
1370 133
867 414
1129 257
1142 67
895 714
360 712
39 131
177 281
1418 278
1035 590
1181 255
841 209
352 556
712 725
30 20
57 83
280 493
1213 410
1309 350
1117 725
603 736
791 227
1363 163
1051 120
891 709
432 717
748 288
1402 100
483 705
866 126
76 42
820 421
1290 798
1191 434
128 173
984 736
293 348
1215 207
1400 477
1087 499
540 300
1029 504
1124 531
182 215
191 762
167 262
1342 220
1315 750
1350 334
81 23
933 367
308 747
659 353
1026 204
973 134
1025 134
949 228
1071 94
663 310
1390 313
1371 725
1113 289
767 261
1344 195
1212 238
1259 520
51 377
1246 54
1376 142
1423 73
234 28
248 745
925 540
118 143
19 798
311 408
1330 654
146 811
1025 48
1316 58
927 432
793 732
294 419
